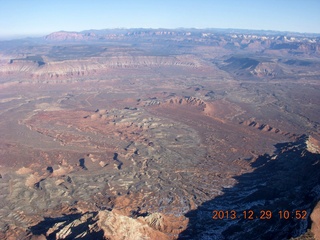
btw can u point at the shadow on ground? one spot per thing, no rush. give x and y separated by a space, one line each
73 227
291 182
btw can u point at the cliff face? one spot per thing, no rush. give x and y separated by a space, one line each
89 67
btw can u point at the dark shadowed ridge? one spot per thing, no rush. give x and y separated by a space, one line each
288 180
42 227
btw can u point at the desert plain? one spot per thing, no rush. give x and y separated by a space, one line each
143 134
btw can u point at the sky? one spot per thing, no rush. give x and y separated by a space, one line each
35 17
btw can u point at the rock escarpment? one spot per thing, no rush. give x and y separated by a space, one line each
90 67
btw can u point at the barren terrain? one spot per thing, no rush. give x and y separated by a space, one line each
142 134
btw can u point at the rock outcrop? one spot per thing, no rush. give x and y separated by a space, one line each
106 225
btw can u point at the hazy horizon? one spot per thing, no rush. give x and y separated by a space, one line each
35 18
24 36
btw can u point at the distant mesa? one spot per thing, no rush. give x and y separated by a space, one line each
67 36
75 65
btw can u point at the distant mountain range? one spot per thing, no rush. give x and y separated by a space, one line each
296 43
251 54
116 33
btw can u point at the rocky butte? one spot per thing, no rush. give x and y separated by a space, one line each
160 134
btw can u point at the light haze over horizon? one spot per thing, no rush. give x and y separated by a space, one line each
36 18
